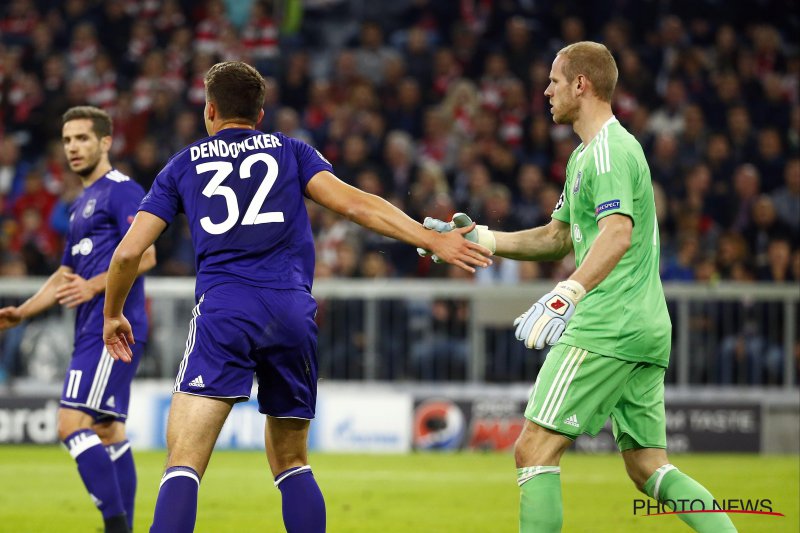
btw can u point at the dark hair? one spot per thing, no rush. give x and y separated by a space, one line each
236 89
101 122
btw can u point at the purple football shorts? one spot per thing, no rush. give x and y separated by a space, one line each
95 383
238 330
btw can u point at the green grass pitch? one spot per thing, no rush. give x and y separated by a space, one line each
424 492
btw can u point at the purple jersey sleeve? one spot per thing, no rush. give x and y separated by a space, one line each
66 259
163 199
126 199
309 160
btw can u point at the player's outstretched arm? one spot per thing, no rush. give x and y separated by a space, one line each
545 243
377 214
122 271
44 299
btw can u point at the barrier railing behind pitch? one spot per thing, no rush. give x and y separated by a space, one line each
439 330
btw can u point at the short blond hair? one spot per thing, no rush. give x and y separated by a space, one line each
594 61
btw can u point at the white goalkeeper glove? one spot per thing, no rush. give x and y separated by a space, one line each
547 319
480 235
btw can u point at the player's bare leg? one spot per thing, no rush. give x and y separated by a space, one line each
286 440
286 443
651 472
192 430
76 430
537 453
641 463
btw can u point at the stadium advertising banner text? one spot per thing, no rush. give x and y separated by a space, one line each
375 419
495 423
481 424
28 420
349 420
695 427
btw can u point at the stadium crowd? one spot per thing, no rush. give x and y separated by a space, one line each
436 105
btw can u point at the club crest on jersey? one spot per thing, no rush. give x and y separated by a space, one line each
577 184
576 233
88 209
558 305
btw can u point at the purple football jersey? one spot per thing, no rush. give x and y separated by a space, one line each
98 219
243 193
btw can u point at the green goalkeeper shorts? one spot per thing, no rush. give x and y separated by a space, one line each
577 390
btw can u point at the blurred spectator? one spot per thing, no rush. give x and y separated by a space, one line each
681 266
372 52
664 167
787 198
102 83
71 188
731 254
429 182
526 205
436 143
12 171
763 228
169 19
459 107
418 56
770 161
407 115
746 188
145 165
209 30
692 141
669 119
743 142
83 50
439 346
260 37
295 82
777 267
518 46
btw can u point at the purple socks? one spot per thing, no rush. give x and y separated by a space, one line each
97 471
176 506
122 457
303 505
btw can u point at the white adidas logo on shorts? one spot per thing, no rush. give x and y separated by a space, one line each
572 421
197 382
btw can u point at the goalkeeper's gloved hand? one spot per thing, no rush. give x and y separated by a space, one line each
480 235
547 319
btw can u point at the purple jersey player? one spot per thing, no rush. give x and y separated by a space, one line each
94 401
243 192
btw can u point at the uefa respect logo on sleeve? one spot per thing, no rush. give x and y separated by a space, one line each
754 506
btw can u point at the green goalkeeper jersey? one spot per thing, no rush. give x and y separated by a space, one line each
625 316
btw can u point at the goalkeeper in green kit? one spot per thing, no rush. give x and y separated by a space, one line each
608 323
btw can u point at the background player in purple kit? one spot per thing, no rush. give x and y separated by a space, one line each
243 193
94 401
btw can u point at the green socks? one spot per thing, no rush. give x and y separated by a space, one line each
669 485
540 508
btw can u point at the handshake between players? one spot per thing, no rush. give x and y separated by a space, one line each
544 322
